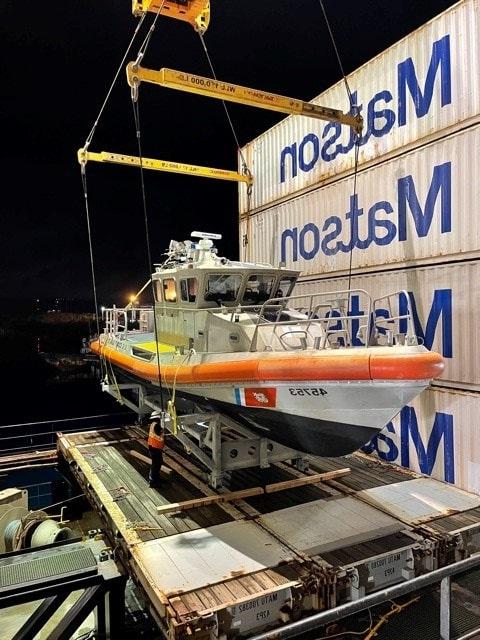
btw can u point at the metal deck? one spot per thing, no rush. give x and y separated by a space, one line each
251 564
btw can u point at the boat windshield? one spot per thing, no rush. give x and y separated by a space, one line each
285 287
258 289
223 288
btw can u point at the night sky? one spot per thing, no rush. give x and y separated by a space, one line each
57 61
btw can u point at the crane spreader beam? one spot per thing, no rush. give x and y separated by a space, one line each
235 93
195 12
162 165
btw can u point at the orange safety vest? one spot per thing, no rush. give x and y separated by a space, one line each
154 440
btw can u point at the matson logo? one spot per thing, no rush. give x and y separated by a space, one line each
396 444
329 238
380 114
438 323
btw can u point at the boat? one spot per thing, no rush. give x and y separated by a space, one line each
234 337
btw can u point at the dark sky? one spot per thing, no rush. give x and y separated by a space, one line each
57 61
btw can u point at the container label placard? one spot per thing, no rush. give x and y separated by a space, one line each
388 569
260 612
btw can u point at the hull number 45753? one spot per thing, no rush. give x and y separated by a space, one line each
307 391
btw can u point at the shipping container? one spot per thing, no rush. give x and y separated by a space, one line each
420 207
439 435
424 86
446 308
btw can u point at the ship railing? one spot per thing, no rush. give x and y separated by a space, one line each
328 322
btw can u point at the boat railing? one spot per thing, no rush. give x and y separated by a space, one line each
122 321
328 322
399 328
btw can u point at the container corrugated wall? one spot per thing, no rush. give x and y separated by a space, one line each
411 209
439 434
422 86
446 308
414 225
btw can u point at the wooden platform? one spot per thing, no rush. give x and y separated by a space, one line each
248 564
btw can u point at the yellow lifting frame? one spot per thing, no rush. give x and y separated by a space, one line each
162 165
195 12
235 93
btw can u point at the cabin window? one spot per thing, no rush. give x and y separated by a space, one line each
222 288
258 289
158 290
189 289
169 290
285 287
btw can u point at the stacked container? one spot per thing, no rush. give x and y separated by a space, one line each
413 223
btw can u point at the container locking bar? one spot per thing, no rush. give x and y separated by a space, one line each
235 93
162 165
195 12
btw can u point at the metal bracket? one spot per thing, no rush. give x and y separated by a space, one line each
195 12
204 435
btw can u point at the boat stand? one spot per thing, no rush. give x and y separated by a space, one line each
220 443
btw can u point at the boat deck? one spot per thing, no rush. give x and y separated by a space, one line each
245 565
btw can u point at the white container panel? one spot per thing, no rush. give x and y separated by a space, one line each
425 84
439 435
446 302
415 207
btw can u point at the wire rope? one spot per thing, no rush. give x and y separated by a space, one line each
356 139
337 53
83 171
136 116
227 112
92 263
115 78
245 168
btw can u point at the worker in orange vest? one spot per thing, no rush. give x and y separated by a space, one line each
156 444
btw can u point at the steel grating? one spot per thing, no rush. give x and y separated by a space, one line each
357 553
421 620
44 567
456 521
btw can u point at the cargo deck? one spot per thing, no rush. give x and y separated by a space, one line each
254 563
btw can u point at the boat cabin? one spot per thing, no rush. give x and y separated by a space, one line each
196 292
229 287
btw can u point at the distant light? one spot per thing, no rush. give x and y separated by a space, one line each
132 298
102 309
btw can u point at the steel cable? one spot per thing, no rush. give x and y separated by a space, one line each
83 170
356 139
339 60
107 97
245 169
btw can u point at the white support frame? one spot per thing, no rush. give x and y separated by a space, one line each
202 434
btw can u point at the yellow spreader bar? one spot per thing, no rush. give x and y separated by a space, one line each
235 93
195 12
162 165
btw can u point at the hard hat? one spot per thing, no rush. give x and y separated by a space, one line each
155 414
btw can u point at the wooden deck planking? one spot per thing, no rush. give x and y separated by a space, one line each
91 451
365 474
151 499
130 506
178 488
114 471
